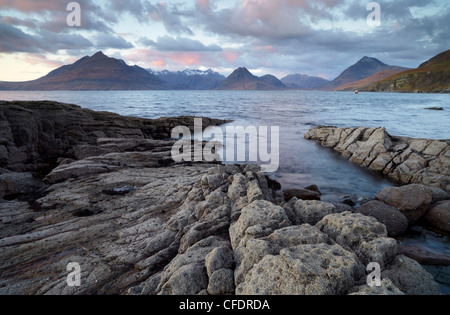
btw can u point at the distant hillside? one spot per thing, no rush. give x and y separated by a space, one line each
363 69
97 72
433 76
242 79
303 81
361 84
191 79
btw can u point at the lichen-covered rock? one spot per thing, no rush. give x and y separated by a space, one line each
312 211
258 219
317 269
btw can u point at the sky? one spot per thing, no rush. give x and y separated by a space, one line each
279 37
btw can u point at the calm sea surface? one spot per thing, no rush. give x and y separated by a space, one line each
302 162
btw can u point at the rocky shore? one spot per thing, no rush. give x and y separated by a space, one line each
402 159
101 191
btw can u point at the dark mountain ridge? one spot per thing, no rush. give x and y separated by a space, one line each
242 79
97 72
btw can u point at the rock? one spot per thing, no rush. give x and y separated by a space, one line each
350 229
311 211
54 130
395 222
13 184
423 256
409 199
317 269
438 217
186 274
221 282
138 223
401 274
405 160
219 258
386 288
313 188
302 194
361 234
253 250
258 219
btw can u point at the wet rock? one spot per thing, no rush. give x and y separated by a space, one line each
302 194
411 200
423 256
438 217
394 220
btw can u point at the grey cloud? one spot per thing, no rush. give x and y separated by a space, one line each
13 39
167 43
105 41
169 16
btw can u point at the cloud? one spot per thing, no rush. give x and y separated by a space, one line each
170 16
167 43
105 41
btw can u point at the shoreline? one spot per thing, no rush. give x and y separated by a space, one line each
137 223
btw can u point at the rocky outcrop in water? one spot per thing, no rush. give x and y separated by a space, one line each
136 224
402 159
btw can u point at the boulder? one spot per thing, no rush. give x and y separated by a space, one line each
258 219
13 184
312 211
411 199
386 288
438 217
221 282
312 269
394 220
302 194
423 256
407 275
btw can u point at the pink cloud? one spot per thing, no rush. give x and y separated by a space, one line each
36 59
230 56
33 5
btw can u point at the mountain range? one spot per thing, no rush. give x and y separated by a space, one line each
303 81
100 72
363 69
432 76
190 79
242 79
97 72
